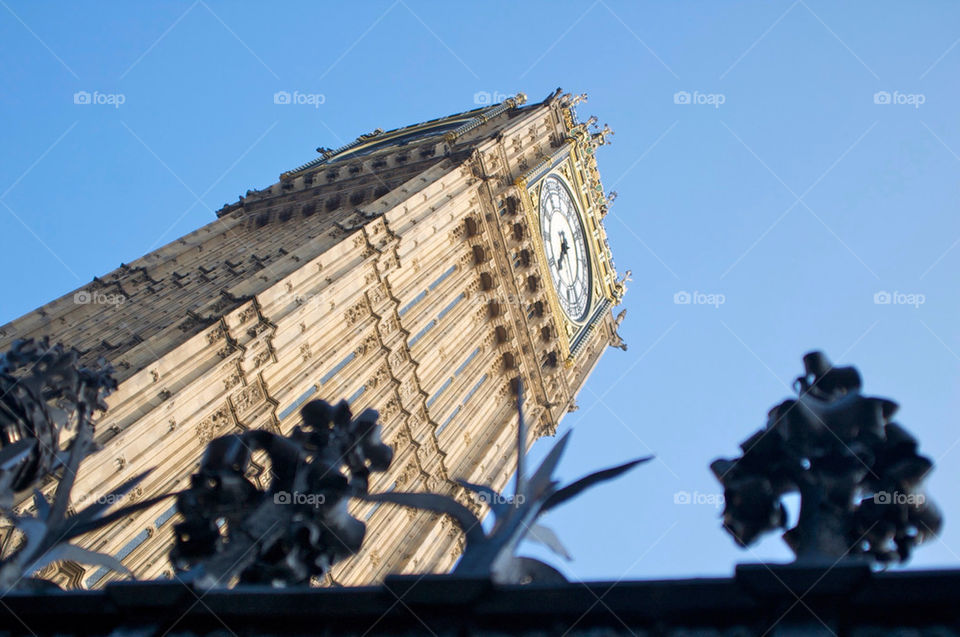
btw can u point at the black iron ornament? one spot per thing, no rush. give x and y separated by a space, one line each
858 474
298 527
45 394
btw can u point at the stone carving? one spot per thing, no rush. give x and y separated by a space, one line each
247 398
391 409
216 335
380 376
262 357
615 340
355 312
377 294
858 474
232 380
388 326
207 428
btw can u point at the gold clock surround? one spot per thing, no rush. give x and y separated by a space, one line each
568 165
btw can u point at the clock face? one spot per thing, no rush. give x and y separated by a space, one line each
565 247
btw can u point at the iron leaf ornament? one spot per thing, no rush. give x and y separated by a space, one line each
493 555
858 474
297 528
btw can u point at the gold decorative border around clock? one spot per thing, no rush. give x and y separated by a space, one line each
566 163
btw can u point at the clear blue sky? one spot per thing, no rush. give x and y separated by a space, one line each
797 198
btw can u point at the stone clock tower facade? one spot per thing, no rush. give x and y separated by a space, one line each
423 271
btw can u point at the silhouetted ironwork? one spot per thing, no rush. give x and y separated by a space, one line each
515 517
45 393
298 527
858 474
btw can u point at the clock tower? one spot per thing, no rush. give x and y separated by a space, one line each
423 272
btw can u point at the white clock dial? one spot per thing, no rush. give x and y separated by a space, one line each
565 247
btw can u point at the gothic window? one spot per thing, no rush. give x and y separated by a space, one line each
296 403
357 394
333 372
450 306
441 278
413 341
437 393
466 362
416 299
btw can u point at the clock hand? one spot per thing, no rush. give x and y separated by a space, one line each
563 249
